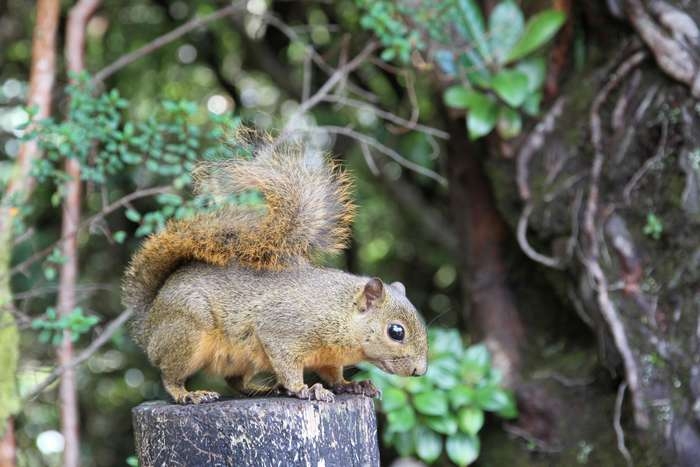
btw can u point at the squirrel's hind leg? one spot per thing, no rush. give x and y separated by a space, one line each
179 353
181 395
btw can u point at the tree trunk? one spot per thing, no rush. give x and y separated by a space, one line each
68 392
492 314
618 162
258 432
43 71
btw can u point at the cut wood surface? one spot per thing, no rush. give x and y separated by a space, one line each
269 431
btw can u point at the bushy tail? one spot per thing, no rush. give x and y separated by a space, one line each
308 212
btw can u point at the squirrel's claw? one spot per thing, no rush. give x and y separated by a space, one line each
199 397
316 392
365 388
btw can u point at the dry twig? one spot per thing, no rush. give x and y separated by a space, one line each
94 346
533 143
121 202
548 261
387 151
166 39
619 432
590 260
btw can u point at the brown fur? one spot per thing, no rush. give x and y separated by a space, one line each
234 292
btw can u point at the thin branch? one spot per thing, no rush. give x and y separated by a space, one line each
369 160
328 86
358 104
166 39
24 236
368 140
292 35
648 164
548 261
39 291
540 445
428 218
563 380
94 346
121 202
590 260
619 432
308 70
533 144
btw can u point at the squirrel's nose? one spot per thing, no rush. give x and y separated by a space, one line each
419 371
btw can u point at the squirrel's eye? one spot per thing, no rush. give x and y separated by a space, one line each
396 332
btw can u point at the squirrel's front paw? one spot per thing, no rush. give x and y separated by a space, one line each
316 392
365 388
199 397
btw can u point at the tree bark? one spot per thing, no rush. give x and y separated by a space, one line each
41 80
617 167
492 313
7 445
68 393
258 432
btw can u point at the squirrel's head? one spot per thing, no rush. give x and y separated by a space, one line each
394 336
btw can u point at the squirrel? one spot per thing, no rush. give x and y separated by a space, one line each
235 291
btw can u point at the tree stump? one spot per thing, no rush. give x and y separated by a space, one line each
260 432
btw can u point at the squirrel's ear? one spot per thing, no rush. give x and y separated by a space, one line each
372 293
400 287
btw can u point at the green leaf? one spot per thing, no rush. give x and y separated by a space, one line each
509 123
170 199
510 410
483 113
403 442
393 398
475 364
428 444
443 372
506 25
133 215
445 341
132 461
539 29
446 424
45 336
461 396
458 97
462 449
402 419
470 420
479 355
388 55
493 398
416 385
511 86
535 69
119 236
531 106
49 273
431 403
471 21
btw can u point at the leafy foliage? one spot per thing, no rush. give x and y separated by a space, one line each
654 227
167 146
443 410
500 77
51 327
